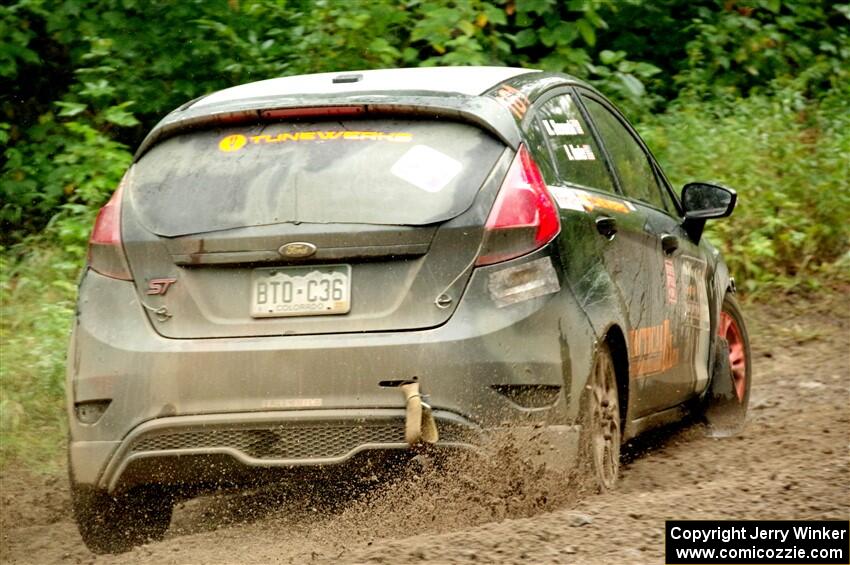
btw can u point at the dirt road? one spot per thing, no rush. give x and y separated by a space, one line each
792 461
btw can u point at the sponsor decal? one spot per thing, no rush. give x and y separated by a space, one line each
670 275
292 403
696 303
238 141
583 201
593 201
567 198
513 100
426 168
579 152
651 350
570 127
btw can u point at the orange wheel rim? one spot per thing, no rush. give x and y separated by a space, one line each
729 330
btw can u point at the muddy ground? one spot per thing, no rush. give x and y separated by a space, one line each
791 462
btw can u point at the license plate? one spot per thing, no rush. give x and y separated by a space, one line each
301 291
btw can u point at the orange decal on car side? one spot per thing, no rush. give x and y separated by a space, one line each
651 350
592 201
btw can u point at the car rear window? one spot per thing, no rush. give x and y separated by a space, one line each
402 172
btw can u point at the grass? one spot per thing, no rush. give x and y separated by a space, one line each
37 291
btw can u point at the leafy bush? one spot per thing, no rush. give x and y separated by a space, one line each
751 45
788 161
66 171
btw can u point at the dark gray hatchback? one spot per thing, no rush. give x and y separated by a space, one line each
308 271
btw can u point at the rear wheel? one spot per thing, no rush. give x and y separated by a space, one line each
601 431
115 524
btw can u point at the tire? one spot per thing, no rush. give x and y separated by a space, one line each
115 524
728 395
738 339
601 433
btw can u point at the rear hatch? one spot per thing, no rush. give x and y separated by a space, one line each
293 228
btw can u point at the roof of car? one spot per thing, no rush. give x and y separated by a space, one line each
470 81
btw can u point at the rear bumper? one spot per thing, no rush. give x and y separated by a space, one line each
284 439
230 449
159 387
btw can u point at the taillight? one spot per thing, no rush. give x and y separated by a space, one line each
106 252
523 218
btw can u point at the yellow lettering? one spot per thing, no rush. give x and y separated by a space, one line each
237 141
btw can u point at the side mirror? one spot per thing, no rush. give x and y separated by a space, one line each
703 201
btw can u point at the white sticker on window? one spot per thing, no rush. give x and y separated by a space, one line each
570 127
426 168
579 152
567 198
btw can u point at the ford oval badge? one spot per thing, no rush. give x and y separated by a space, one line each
297 250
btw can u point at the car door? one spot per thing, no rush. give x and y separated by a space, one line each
599 222
669 334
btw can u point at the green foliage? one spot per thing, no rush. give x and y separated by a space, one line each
15 48
55 175
788 160
750 44
460 33
734 47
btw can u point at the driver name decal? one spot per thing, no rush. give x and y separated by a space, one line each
579 152
569 127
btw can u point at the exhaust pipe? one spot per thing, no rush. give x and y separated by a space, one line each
419 424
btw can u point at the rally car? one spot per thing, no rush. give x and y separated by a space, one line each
309 271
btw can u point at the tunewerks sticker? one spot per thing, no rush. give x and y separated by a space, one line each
237 141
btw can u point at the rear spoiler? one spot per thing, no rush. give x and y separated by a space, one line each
481 111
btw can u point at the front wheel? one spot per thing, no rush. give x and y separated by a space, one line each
601 434
115 524
728 394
